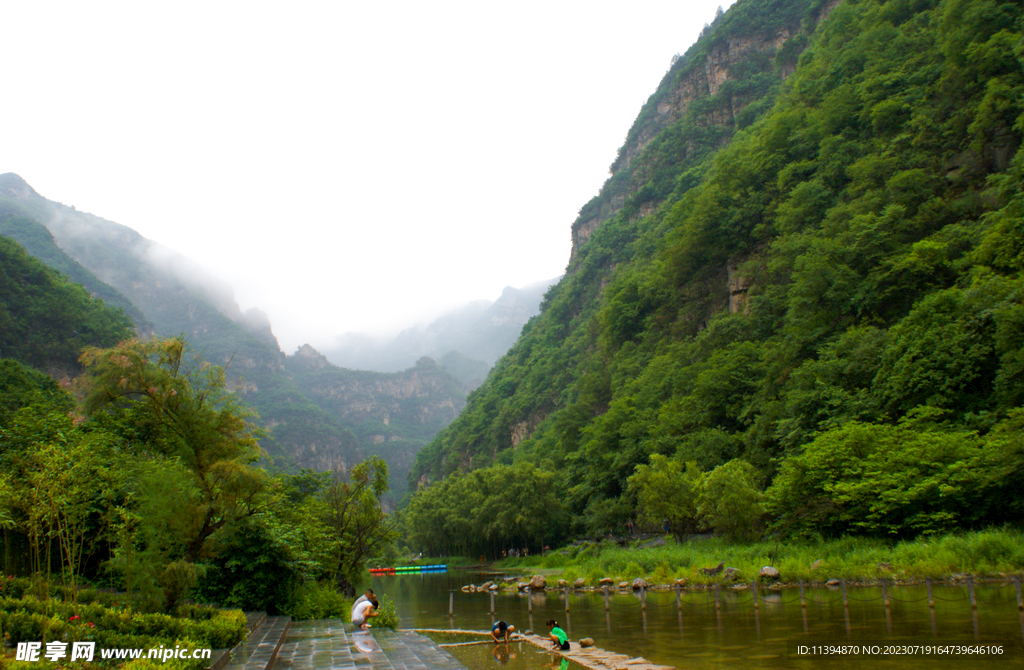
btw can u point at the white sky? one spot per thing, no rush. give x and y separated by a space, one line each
345 166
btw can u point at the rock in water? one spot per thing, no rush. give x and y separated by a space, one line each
579 583
606 581
587 642
640 583
538 583
562 583
769 572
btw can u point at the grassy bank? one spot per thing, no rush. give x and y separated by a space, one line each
984 553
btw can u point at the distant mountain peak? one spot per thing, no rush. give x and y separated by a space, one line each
13 186
311 358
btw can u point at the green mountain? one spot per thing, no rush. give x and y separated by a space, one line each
46 319
808 257
167 295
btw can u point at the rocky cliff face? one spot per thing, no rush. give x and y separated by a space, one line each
423 394
391 415
696 76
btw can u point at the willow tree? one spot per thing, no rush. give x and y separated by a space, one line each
167 402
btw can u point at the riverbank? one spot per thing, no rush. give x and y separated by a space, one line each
662 560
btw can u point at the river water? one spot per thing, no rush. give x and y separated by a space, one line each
738 635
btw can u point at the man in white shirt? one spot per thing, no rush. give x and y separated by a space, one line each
363 611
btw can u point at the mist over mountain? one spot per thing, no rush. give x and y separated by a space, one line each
317 415
481 331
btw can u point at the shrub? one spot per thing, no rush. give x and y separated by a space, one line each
632 571
319 601
387 615
556 560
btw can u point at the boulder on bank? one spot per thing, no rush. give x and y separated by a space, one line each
681 582
640 583
562 583
538 583
832 583
522 585
770 572
623 585
587 642
731 574
579 583
607 581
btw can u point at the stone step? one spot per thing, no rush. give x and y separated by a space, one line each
221 657
261 647
317 645
327 645
408 650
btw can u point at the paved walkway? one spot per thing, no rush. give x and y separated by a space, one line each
326 645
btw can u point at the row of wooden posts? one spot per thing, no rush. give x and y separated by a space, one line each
757 605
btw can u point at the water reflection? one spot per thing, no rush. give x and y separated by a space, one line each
722 628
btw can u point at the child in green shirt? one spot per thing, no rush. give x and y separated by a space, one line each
558 636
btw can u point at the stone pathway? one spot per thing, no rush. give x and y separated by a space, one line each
596 658
326 645
261 646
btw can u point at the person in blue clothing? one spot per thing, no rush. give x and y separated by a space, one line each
558 636
501 629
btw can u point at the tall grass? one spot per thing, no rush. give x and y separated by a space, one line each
986 552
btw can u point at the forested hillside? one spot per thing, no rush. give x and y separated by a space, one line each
797 303
45 319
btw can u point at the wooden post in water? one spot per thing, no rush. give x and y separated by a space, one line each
1020 603
679 592
885 594
803 601
451 603
718 603
605 589
566 598
492 602
753 588
970 592
643 598
931 599
842 583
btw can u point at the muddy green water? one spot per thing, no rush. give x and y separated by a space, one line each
737 635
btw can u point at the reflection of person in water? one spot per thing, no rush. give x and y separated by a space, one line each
502 653
364 642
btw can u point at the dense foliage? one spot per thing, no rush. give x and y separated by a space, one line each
834 297
45 319
156 491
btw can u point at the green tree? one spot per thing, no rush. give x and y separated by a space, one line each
666 489
353 512
165 403
730 501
